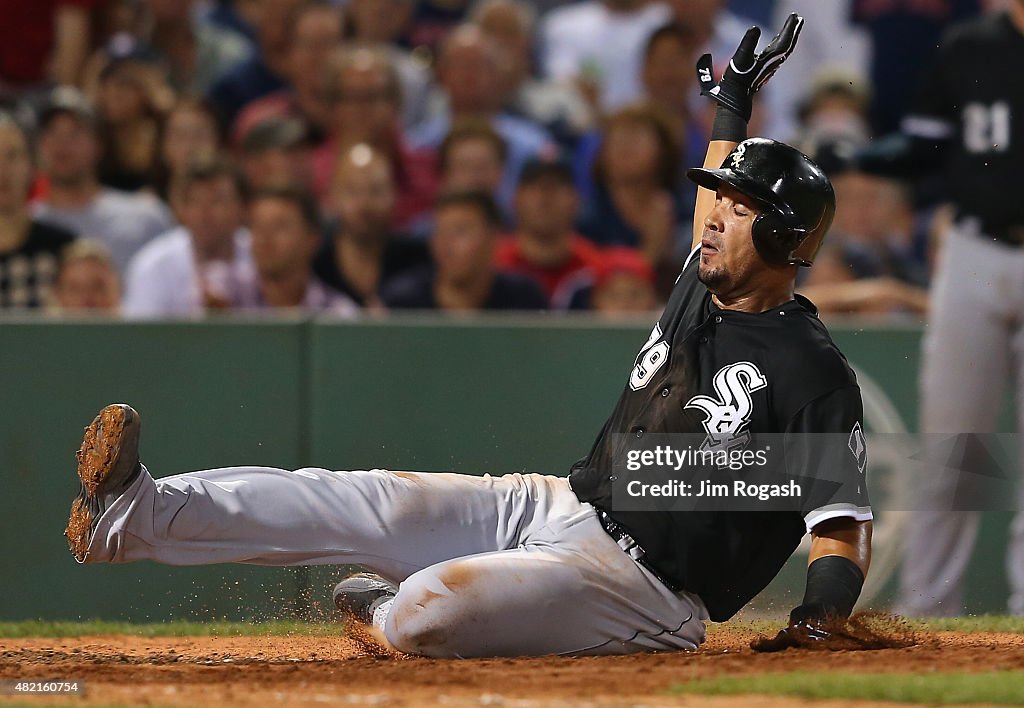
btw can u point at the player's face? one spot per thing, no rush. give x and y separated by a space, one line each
728 257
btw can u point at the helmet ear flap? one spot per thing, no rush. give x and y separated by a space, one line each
773 238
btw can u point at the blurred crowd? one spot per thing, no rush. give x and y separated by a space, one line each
170 158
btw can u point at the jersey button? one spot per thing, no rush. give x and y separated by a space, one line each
718 319
664 393
639 432
703 340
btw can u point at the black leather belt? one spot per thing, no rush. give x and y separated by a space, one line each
631 547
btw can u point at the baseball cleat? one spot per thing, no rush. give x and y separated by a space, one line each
108 462
361 594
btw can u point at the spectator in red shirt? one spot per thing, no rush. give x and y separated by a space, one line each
545 245
363 89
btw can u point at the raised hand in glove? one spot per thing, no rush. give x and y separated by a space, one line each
747 71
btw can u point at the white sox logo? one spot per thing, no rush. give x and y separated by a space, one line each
739 155
729 414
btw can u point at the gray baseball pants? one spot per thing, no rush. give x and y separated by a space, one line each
974 343
487 566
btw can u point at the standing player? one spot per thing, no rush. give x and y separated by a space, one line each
970 115
482 566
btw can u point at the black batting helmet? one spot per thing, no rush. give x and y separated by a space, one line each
796 197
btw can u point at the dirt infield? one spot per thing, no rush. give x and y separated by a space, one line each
313 670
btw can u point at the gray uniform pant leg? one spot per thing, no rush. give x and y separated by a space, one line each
513 565
969 352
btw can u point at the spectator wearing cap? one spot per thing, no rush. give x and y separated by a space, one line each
469 76
364 92
284 224
203 265
557 106
70 153
29 248
87 281
189 134
266 70
362 251
545 246
598 45
316 31
385 23
277 153
623 285
463 276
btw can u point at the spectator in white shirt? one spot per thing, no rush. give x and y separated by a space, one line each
206 263
599 45
69 149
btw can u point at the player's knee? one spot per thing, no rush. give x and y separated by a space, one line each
423 621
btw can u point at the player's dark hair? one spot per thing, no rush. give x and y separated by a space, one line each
300 198
471 129
477 199
210 170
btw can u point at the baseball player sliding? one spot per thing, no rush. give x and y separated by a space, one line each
531 564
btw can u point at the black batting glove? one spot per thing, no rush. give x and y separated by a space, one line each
748 71
806 627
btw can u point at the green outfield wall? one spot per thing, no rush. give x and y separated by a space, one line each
471 395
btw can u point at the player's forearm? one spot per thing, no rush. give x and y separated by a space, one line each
844 537
836 568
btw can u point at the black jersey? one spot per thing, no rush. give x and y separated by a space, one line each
972 99
785 376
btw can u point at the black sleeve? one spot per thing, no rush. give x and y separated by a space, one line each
826 454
